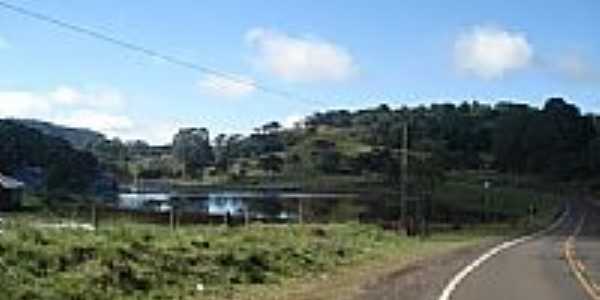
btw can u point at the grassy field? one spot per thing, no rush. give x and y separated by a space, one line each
126 260
132 261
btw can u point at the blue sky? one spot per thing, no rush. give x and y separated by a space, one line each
340 54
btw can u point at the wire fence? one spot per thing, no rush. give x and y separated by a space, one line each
239 208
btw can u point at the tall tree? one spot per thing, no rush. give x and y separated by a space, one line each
192 149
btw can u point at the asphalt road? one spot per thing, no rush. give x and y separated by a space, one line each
534 270
587 245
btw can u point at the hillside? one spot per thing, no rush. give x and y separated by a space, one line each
63 166
556 141
80 138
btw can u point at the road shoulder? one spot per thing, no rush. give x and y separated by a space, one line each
423 279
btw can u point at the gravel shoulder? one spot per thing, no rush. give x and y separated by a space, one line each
424 279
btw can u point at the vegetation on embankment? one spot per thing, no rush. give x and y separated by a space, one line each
132 261
464 196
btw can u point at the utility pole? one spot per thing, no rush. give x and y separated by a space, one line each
590 145
136 182
94 215
172 215
185 159
246 214
403 178
300 211
487 206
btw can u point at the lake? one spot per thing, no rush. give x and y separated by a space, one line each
256 204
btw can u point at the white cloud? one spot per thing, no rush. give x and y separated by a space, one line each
299 59
227 87
66 95
97 109
93 98
93 109
109 124
155 132
575 67
293 121
104 98
490 52
23 104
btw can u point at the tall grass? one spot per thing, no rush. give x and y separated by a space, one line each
132 261
136 261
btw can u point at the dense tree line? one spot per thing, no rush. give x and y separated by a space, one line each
64 167
556 141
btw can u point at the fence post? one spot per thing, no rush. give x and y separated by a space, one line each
172 217
178 213
246 215
300 211
94 216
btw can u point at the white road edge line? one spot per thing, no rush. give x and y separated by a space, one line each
460 276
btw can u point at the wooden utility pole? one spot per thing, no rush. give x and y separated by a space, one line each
246 214
184 162
403 178
300 211
172 218
94 215
172 215
185 159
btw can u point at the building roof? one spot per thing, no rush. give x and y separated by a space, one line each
10 183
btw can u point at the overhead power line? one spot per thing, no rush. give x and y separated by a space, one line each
150 52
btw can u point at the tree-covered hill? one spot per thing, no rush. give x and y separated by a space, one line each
555 141
63 166
80 138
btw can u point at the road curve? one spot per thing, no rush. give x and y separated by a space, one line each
535 270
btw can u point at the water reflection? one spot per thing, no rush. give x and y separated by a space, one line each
255 205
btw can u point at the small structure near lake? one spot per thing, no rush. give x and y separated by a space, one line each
11 193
